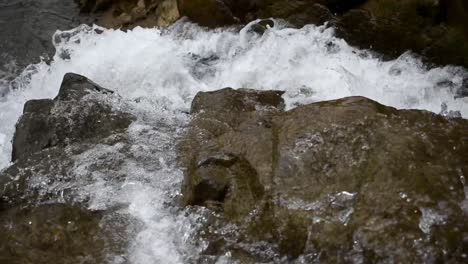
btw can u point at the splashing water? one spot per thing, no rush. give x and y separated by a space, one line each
169 67
162 70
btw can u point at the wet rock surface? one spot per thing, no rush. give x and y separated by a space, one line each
51 233
348 180
424 27
64 120
26 29
198 10
44 213
50 132
128 14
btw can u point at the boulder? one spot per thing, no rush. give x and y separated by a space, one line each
347 180
51 132
66 119
129 14
391 28
222 175
315 14
209 13
44 215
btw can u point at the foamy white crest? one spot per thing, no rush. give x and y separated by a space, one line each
159 72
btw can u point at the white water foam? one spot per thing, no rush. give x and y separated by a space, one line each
170 67
163 70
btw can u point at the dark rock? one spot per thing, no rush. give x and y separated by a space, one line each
210 13
316 14
231 183
242 100
454 13
41 177
447 45
51 132
341 6
244 9
27 26
44 215
298 13
229 178
358 28
394 27
129 14
33 131
74 87
68 118
327 182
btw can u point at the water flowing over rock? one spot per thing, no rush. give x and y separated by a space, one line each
64 120
93 180
437 30
43 219
94 176
347 180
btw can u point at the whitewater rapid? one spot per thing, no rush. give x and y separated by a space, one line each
158 72
172 65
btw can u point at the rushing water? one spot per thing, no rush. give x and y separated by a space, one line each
158 72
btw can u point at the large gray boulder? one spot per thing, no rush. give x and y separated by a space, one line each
347 180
